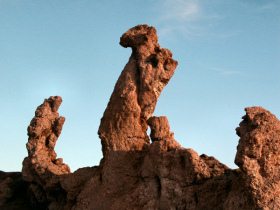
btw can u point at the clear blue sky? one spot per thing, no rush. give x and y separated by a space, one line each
228 53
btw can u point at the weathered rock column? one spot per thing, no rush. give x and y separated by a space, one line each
43 131
124 123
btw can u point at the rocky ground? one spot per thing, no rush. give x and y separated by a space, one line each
138 171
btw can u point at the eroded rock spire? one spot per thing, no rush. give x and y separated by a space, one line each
124 123
43 132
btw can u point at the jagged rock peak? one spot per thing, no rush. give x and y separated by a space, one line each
43 132
124 123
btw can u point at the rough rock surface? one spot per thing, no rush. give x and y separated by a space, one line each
124 123
142 172
43 133
13 192
258 156
41 168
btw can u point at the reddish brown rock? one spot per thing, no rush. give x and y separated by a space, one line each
258 156
162 138
160 129
13 192
124 123
43 132
41 168
138 172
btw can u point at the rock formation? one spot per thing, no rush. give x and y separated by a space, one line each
138 171
258 156
124 123
41 168
43 133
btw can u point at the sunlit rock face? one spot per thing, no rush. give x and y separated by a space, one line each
258 156
43 132
141 171
124 123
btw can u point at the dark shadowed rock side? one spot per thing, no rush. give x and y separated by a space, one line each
138 171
